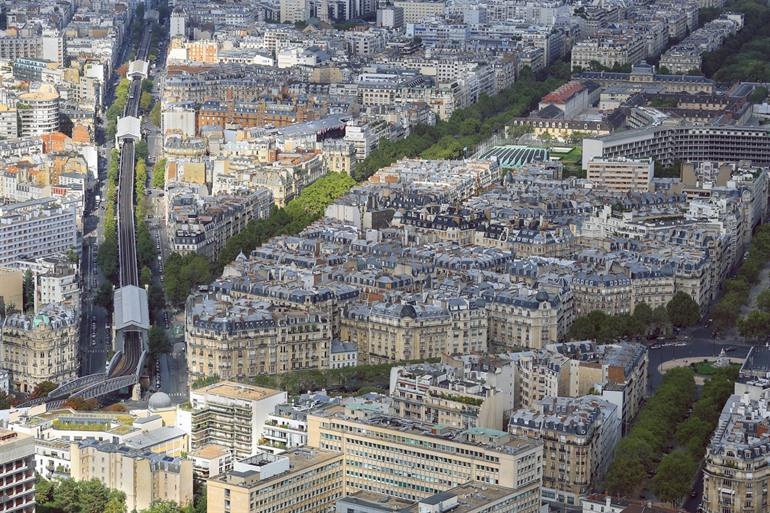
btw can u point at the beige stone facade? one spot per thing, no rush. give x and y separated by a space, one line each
145 477
40 348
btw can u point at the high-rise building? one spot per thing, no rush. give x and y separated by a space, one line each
17 466
36 228
293 11
232 415
178 24
38 111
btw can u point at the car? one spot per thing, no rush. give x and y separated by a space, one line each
729 349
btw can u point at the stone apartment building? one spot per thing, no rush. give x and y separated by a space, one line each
579 436
40 347
245 338
144 476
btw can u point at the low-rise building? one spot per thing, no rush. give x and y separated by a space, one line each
342 354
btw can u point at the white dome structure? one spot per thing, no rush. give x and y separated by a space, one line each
159 401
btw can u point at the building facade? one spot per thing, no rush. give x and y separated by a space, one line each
42 347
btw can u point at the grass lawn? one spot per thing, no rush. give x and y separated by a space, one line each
573 162
706 368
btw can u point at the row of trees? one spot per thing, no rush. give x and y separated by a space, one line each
307 207
116 109
69 496
736 290
359 379
457 136
638 453
676 472
680 311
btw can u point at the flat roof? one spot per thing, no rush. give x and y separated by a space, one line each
210 451
300 459
233 390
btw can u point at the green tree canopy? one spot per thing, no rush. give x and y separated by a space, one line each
683 310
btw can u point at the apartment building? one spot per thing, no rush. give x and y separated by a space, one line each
433 394
622 175
41 347
143 476
16 47
395 332
203 225
36 228
608 51
247 337
232 415
579 436
521 318
286 427
610 293
302 479
736 476
617 372
411 460
17 465
416 10
293 11
38 111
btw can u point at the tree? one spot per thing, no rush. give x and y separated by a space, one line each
28 291
145 101
80 404
115 504
763 300
643 313
104 296
683 310
5 401
758 95
754 325
42 389
93 496
155 114
72 256
159 174
163 507
674 476
158 341
145 276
